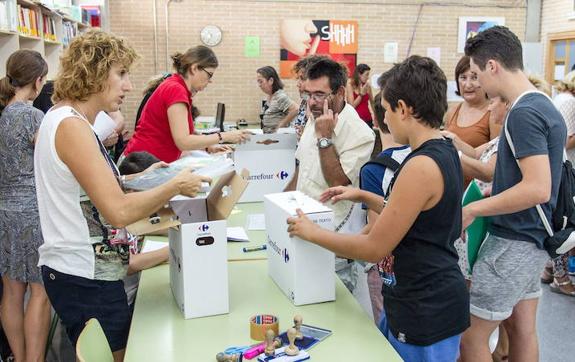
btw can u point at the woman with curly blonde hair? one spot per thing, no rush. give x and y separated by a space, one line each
82 277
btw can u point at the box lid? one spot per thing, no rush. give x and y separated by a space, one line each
290 201
164 219
225 194
219 202
268 141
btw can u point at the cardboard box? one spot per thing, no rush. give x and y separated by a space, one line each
198 246
305 272
270 160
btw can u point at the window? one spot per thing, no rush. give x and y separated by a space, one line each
561 55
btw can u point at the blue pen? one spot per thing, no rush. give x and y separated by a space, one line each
255 248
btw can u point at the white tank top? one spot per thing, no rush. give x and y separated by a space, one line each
67 245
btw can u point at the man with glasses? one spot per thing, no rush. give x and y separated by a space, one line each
335 143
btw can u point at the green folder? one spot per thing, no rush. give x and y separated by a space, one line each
477 230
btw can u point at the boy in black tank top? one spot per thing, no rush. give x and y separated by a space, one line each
427 308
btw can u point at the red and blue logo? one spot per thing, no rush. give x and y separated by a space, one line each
204 227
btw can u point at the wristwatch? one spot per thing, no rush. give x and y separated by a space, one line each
324 142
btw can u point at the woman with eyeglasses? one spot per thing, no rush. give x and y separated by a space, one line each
166 126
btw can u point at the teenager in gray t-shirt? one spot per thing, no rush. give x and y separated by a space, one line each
536 128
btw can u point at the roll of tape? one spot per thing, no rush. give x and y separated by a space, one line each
259 325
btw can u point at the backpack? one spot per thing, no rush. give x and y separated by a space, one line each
386 161
563 216
385 265
561 233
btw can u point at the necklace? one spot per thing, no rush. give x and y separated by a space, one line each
80 111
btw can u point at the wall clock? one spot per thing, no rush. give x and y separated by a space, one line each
211 35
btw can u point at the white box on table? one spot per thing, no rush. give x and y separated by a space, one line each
198 246
270 160
305 272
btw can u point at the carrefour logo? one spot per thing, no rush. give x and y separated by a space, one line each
285 255
204 227
282 175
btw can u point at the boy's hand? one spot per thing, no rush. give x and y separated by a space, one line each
301 226
338 193
467 219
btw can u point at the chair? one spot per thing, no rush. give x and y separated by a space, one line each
92 345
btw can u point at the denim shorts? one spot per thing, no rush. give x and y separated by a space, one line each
76 300
442 351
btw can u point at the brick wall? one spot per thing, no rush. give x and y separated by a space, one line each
234 83
556 16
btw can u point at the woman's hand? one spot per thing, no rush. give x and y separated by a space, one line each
301 226
237 136
452 136
363 89
338 193
188 183
219 148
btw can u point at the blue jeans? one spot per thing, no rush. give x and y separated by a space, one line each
442 351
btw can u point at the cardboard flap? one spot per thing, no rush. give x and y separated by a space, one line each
149 225
225 194
292 200
269 141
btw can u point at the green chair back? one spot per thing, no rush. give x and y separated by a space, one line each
92 345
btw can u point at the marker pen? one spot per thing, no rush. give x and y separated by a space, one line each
255 248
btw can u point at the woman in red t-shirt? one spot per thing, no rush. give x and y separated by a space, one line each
359 93
166 127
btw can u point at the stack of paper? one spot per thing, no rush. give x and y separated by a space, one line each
237 233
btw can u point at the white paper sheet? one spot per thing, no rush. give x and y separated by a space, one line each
237 233
390 51
153 245
256 222
104 125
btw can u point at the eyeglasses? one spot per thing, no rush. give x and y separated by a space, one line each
317 97
210 74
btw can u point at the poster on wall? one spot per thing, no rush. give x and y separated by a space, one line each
303 37
471 25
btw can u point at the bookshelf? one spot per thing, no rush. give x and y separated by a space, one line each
46 26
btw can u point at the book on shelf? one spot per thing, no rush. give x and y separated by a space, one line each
93 15
28 21
4 25
49 26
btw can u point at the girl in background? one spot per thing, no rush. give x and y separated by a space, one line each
359 93
20 233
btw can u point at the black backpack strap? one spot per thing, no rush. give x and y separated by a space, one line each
383 160
386 161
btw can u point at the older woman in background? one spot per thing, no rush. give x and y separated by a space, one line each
470 120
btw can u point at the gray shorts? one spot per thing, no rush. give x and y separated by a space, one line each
505 273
